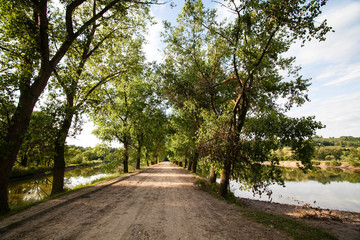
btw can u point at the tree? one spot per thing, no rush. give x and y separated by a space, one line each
190 78
247 123
78 77
117 101
34 39
38 145
148 120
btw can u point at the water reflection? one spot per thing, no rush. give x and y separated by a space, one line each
32 190
330 189
324 176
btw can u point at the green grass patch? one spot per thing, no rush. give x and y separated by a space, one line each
19 171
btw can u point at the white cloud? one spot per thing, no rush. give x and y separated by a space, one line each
340 114
334 66
341 74
340 46
154 44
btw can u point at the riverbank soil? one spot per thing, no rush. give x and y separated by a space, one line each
344 225
161 202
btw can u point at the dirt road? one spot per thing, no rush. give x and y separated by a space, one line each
161 202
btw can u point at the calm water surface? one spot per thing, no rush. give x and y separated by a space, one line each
329 189
35 189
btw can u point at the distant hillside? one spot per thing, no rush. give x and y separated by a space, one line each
344 141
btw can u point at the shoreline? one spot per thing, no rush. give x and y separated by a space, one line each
49 172
343 224
296 164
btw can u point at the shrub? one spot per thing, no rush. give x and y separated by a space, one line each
333 163
316 163
354 162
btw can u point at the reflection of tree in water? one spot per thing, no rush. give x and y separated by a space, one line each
324 176
29 191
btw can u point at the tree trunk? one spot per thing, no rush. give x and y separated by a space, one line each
138 157
5 170
126 157
58 170
59 158
24 160
212 178
194 163
138 162
147 163
185 165
224 180
189 165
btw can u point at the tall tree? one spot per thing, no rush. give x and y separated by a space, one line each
82 72
190 78
117 102
32 45
246 123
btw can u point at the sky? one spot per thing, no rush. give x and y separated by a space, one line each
333 66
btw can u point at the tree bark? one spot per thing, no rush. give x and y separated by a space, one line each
224 180
138 160
126 157
185 165
5 169
212 178
190 165
59 158
194 163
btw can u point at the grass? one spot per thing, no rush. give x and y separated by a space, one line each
292 227
19 171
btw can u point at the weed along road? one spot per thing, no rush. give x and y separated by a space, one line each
161 202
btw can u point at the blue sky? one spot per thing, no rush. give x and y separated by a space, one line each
333 65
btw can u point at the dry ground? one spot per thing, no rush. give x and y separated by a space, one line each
344 225
161 202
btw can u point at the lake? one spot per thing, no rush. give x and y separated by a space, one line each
329 189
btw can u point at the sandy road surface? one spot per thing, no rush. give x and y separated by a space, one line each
161 202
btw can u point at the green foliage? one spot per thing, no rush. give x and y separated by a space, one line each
20 171
75 155
315 163
333 163
38 146
225 81
347 141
